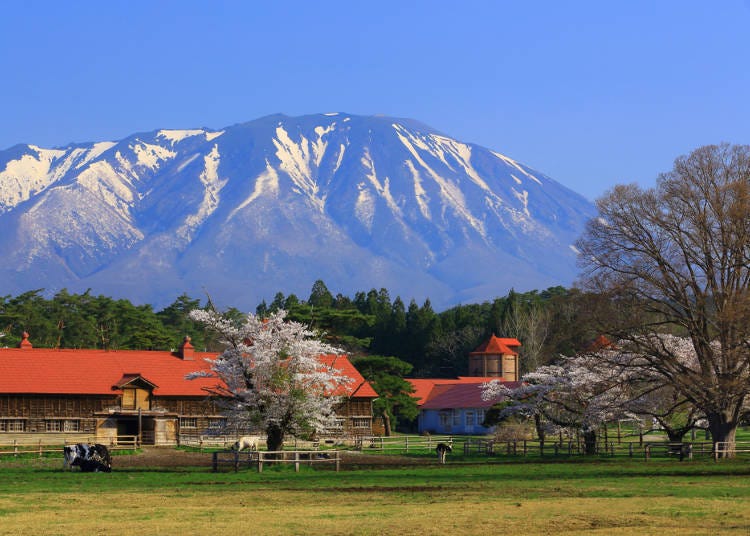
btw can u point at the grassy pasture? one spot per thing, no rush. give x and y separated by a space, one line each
573 497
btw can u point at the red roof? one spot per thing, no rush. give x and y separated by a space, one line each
425 388
460 395
100 372
358 387
498 345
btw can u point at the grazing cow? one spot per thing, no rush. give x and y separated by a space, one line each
442 449
90 458
247 442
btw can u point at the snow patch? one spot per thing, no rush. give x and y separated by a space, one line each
515 164
267 183
176 136
149 155
450 193
210 136
187 162
342 149
523 197
212 187
28 176
294 159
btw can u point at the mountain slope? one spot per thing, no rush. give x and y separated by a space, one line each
275 204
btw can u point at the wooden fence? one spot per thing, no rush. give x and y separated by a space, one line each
259 458
646 450
402 443
40 447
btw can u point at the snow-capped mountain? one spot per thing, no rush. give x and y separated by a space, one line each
274 204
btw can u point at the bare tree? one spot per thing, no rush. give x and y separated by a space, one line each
529 323
677 258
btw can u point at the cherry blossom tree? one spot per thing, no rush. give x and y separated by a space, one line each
271 375
677 258
581 393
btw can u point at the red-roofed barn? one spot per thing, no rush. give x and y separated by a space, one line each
82 394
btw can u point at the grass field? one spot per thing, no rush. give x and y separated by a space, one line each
572 497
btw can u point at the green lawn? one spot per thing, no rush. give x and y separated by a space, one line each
597 496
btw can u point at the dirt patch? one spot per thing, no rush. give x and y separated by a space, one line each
154 457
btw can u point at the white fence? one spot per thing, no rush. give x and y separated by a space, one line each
405 443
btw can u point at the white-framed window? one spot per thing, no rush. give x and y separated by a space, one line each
62 425
360 422
480 416
338 424
12 425
470 417
188 422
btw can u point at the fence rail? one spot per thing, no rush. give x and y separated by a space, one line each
40 447
259 458
645 450
404 443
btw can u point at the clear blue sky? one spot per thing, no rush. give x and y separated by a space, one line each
591 93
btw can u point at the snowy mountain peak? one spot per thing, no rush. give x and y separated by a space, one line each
275 204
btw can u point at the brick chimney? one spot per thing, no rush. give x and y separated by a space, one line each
186 349
25 341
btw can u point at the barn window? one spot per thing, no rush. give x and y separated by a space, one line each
480 416
12 425
470 418
361 422
188 422
456 417
62 425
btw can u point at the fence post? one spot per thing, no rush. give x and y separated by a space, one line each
215 462
630 449
524 447
260 461
406 442
338 460
40 448
296 461
647 452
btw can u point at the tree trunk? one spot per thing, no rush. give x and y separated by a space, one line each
275 437
723 431
387 424
589 442
539 425
675 435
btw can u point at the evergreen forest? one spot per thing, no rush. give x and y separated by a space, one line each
436 344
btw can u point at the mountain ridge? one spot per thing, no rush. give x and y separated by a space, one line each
279 202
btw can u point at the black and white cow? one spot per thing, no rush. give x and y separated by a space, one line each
442 449
90 458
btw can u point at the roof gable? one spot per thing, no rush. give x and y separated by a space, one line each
498 345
